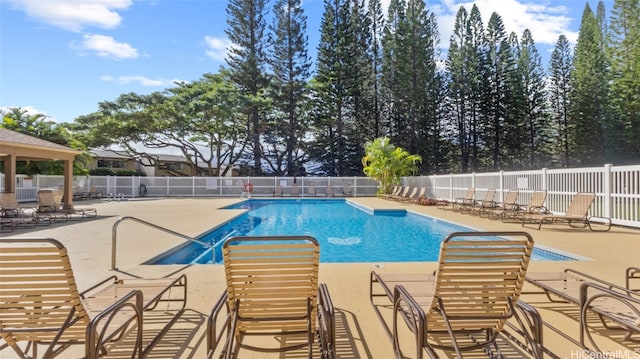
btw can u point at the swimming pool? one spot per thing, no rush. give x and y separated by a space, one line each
346 232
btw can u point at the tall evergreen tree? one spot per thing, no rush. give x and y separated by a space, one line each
501 64
624 56
332 89
247 61
424 86
560 67
393 76
376 19
513 151
290 65
362 89
588 94
535 116
478 67
458 87
466 85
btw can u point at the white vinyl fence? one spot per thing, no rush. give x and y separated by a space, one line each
116 187
617 189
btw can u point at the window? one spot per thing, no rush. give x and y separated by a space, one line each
111 163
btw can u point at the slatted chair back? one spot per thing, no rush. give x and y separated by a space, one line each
39 296
478 280
510 199
49 200
272 282
580 204
537 201
468 196
8 200
490 196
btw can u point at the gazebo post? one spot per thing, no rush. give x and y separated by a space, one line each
10 174
68 183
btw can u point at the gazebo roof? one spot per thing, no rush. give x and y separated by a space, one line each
25 147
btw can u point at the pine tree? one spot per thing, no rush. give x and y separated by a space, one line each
559 100
290 70
424 87
501 64
624 57
363 87
247 60
376 20
478 67
466 66
393 59
513 151
588 95
331 87
535 116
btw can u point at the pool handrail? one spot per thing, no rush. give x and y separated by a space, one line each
114 230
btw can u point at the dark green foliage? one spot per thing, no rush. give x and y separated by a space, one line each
623 126
39 126
559 100
337 102
290 69
532 132
588 95
247 62
489 108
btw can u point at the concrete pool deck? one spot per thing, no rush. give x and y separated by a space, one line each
359 333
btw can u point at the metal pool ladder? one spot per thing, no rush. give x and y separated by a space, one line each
114 235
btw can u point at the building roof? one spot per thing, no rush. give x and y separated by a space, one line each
26 147
121 155
109 154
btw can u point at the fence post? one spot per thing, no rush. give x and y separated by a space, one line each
607 190
544 178
501 184
355 188
473 180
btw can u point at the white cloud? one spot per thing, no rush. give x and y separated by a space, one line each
106 46
74 15
546 22
217 48
142 80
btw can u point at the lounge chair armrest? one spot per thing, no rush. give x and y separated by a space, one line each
632 273
601 282
537 210
414 316
626 315
112 279
512 207
326 324
103 327
213 336
526 329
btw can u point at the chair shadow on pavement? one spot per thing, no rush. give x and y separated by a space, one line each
350 342
181 340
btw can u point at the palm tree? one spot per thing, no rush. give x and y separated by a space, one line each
387 163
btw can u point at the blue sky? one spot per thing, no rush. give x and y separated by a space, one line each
62 57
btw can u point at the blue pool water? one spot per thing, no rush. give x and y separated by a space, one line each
346 232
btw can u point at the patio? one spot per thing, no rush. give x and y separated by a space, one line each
359 334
